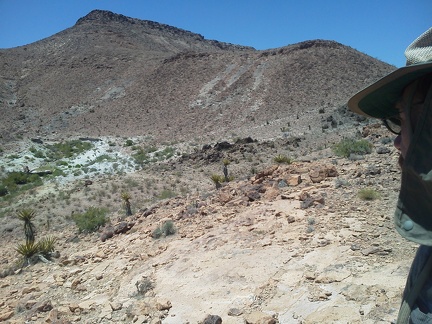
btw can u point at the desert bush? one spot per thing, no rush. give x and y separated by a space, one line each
13 180
91 220
349 146
310 229
282 159
165 153
368 194
144 286
339 182
129 142
166 229
37 153
67 149
166 193
141 157
3 191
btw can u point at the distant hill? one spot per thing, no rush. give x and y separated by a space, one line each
114 75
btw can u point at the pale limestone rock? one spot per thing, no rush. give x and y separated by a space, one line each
116 306
6 315
163 304
294 180
73 307
259 318
27 290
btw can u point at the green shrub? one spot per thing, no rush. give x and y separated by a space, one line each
141 157
166 229
166 193
14 180
129 142
368 194
3 191
144 286
67 149
282 159
91 220
349 146
37 153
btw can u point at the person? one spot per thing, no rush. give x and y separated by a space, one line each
403 101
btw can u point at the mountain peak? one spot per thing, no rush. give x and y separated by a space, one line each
103 16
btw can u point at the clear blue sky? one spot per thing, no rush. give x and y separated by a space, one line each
379 28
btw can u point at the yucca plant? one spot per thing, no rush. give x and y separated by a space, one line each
225 162
27 216
27 250
217 180
282 159
126 197
46 246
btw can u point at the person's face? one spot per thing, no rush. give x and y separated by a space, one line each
403 140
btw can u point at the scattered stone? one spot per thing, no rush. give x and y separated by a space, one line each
5 316
383 150
163 304
116 306
44 306
123 227
294 180
212 319
291 219
234 312
259 318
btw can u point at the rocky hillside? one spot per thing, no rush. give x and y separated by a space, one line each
117 106
295 243
114 75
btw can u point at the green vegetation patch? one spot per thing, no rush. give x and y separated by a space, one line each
16 181
166 229
67 149
349 146
368 194
282 159
91 220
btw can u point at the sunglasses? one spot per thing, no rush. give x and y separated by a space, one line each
393 124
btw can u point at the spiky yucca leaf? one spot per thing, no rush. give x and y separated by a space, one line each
216 178
125 196
46 245
282 159
28 249
27 215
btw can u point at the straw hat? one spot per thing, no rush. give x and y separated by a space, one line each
378 99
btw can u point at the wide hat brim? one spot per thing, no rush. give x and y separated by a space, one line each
378 100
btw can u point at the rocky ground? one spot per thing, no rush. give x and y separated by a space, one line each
293 243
